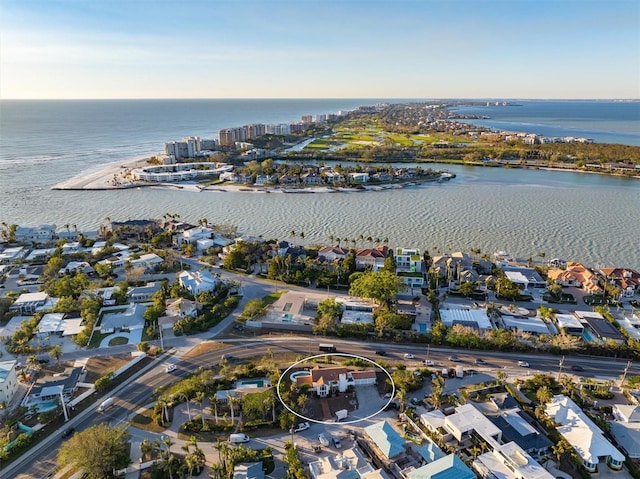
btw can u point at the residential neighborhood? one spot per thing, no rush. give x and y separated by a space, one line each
147 283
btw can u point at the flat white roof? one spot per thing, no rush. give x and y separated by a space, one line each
632 325
517 459
477 316
468 417
579 431
31 297
50 322
568 321
532 325
588 314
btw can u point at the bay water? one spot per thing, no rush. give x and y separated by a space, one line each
575 216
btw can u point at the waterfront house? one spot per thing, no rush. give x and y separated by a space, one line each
38 234
333 253
312 178
371 258
524 277
289 180
585 437
262 180
409 267
193 235
628 280
359 178
576 274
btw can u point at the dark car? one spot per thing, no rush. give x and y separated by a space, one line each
576 367
68 432
381 353
43 360
391 405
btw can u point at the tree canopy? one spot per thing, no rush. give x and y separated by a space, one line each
97 450
381 286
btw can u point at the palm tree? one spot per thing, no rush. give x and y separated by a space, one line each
56 352
146 447
169 459
231 401
200 400
165 410
185 397
32 361
214 404
544 395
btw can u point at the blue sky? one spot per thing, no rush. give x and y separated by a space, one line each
319 49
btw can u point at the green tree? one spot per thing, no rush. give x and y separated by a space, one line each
56 352
467 288
381 286
97 451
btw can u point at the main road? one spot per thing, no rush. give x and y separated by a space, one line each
41 460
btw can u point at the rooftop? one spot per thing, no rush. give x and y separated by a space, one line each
585 437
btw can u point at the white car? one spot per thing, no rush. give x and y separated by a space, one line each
303 426
170 368
323 440
428 362
409 356
523 364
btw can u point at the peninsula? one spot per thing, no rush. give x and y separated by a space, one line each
251 157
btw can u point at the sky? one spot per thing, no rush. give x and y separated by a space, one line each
409 49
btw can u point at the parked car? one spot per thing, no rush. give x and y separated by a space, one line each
415 401
454 359
238 438
43 360
323 440
336 442
393 405
409 356
523 364
68 432
170 368
303 426
576 367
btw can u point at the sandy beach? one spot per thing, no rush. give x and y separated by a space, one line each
104 179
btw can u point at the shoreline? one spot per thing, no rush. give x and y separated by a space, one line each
103 180
106 179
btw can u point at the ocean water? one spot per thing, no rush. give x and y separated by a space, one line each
575 216
602 121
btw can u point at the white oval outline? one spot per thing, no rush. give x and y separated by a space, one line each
284 373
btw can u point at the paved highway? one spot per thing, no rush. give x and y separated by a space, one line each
139 391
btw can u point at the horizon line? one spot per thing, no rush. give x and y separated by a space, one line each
621 99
